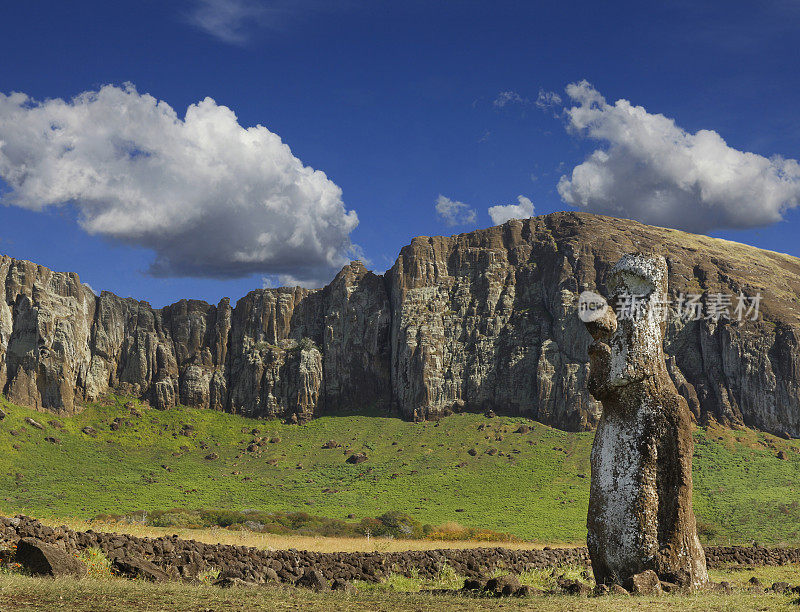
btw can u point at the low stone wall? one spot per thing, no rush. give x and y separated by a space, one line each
186 558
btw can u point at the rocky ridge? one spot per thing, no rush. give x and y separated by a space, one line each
478 321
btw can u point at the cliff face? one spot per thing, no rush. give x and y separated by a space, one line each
484 320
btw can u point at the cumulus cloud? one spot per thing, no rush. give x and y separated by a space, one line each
522 210
508 97
454 213
210 197
653 170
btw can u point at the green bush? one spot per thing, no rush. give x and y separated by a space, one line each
399 525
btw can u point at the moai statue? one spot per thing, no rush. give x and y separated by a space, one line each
640 502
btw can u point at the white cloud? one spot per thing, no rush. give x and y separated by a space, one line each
238 21
208 196
547 99
231 21
522 210
655 171
508 97
454 213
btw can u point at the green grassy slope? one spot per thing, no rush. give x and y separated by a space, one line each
535 486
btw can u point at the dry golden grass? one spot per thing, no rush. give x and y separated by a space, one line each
285 542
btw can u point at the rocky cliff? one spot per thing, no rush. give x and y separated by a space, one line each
484 320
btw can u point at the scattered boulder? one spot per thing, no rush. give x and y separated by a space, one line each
782 455
645 583
42 559
274 440
523 429
500 586
474 584
89 430
331 444
472 452
721 587
503 585
489 414
2 415
573 587
211 457
617 589
229 582
32 423
342 585
52 440
138 569
357 458
779 587
314 580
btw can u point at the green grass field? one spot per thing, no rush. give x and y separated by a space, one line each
535 485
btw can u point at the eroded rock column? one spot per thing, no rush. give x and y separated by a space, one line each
640 504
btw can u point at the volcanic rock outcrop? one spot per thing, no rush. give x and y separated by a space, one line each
640 500
479 321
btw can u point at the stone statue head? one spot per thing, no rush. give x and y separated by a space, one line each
628 338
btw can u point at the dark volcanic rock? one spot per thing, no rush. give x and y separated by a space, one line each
43 559
357 458
483 321
138 568
313 579
503 585
229 582
641 522
173 558
645 583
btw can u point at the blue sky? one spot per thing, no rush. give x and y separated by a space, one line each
398 104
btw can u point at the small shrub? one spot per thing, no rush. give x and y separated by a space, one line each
306 344
209 575
96 562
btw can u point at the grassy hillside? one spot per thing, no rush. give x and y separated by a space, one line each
535 485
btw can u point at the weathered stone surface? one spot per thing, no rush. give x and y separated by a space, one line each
640 519
138 569
645 583
33 423
479 321
357 458
43 559
314 580
229 582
